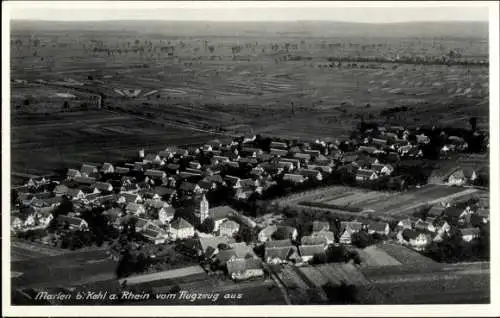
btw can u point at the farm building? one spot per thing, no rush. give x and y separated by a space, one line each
107 168
319 226
366 175
244 269
296 162
311 174
165 215
278 152
155 174
135 208
285 165
313 240
181 229
233 182
88 170
84 180
308 252
74 223
385 169
380 228
418 240
156 236
347 229
228 228
190 188
281 255
324 169
294 178
219 214
72 173
278 145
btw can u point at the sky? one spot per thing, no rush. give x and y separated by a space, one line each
380 12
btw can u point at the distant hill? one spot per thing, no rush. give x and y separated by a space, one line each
453 29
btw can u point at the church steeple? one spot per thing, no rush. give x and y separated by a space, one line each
204 209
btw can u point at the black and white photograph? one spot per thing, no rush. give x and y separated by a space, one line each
227 155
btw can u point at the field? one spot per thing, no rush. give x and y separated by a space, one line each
258 79
64 140
376 256
390 204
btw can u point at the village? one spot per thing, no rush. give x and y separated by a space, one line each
197 205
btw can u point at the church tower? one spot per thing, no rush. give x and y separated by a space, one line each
204 207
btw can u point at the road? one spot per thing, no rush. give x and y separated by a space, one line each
169 274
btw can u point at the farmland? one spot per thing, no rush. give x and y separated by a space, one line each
282 84
63 140
364 202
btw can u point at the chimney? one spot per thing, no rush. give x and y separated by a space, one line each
141 153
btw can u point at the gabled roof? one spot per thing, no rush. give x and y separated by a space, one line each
353 226
213 241
229 224
221 212
187 186
312 240
122 170
102 185
280 252
320 226
311 250
88 169
84 180
278 243
180 223
74 221
242 265
134 207
154 173
73 173
376 225
161 191
365 172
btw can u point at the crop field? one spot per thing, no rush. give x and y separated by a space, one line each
338 273
405 255
64 140
375 256
390 204
443 284
276 84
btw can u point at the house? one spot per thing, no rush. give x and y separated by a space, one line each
253 152
278 145
303 157
219 214
367 149
75 194
167 194
436 210
166 215
385 169
244 269
60 190
347 229
405 149
248 161
294 178
209 245
103 186
154 159
181 229
144 224
319 226
190 188
74 223
379 142
122 170
155 174
233 182
72 173
324 169
363 175
424 225
470 233
278 152
135 208
285 165
194 165
285 232
380 228
107 168
312 153
307 252
84 180
311 174
156 236
280 255
405 224
416 239
296 162
129 198
423 139
313 240
257 171
88 170
228 228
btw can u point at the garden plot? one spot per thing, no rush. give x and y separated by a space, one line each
375 256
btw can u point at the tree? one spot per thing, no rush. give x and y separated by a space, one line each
207 226
362 239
